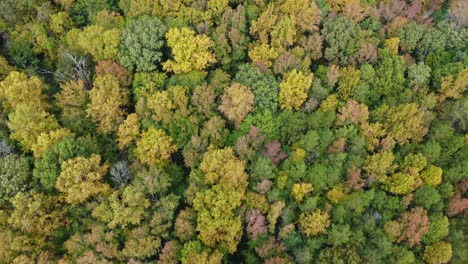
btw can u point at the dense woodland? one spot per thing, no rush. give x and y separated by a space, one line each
229 131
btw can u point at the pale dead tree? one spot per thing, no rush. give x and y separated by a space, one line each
79 71
120 173
4 149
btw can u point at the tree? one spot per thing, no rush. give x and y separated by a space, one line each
413 226
230 37
389 79
405 122
221 166
294 89
314 223
438 253
96 40
350 79
140 243
299 190
419 74
28 122
113 68
107 99
256 224
341 37
453 87
141 44
73 99
217 221
380 165
400 183
124 207
432 175
340 254
46 140
306 13
80 178
190 52
37 213
129 130
236 102
14 176
438 229
194 252
18 89
263 85
154 147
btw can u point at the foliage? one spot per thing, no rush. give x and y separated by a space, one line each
80 178
314 223
14 176
154 147
236 102
141 44
190 52
228 131
107 99
293 89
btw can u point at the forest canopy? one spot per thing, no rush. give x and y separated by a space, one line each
228 131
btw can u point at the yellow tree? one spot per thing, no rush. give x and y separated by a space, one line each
81 177
438 253
18 89
405 122
155 147
299 190
237 102
36 213
217 221
294 89
28 122
45 140
314 223
189 51
350 78
129 130
107 102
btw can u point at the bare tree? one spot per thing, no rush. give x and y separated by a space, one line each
80 70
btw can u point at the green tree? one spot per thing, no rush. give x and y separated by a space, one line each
438 229
405 122
124 207
230 37
342 39
264 86
14 176
142 43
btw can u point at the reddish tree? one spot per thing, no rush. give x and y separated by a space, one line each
256 225
354 179
273 152
415 224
